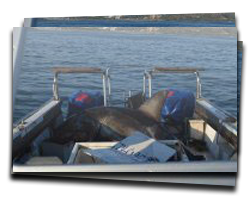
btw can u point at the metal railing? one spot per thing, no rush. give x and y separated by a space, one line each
148 75
106 80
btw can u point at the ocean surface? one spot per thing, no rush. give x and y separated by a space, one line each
239 61
128 55
40 22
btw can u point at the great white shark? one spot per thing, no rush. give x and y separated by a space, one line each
116 123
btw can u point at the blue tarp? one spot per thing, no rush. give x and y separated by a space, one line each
79 101
179 104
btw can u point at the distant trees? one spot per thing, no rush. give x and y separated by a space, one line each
139 15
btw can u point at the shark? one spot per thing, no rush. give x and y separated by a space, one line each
116 123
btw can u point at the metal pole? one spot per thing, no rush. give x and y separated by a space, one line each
144 84
104 89
150 86
55 87
129 93
109 85
198 85
149 76
109 91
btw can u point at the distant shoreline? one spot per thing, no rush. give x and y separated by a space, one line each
202 31
168 18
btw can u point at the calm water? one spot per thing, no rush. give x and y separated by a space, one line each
128 55
129 23
239 62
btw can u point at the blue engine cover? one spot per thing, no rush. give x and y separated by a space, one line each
179 104
79 101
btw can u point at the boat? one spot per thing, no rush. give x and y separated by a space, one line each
212 126
217 127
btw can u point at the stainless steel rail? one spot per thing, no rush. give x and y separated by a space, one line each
76 70
148 75
66 70
108 78
177 69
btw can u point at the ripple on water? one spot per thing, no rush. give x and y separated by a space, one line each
128 55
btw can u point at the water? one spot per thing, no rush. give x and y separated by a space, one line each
128 55
239 61
130 23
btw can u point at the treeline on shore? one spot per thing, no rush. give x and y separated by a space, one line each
137 15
